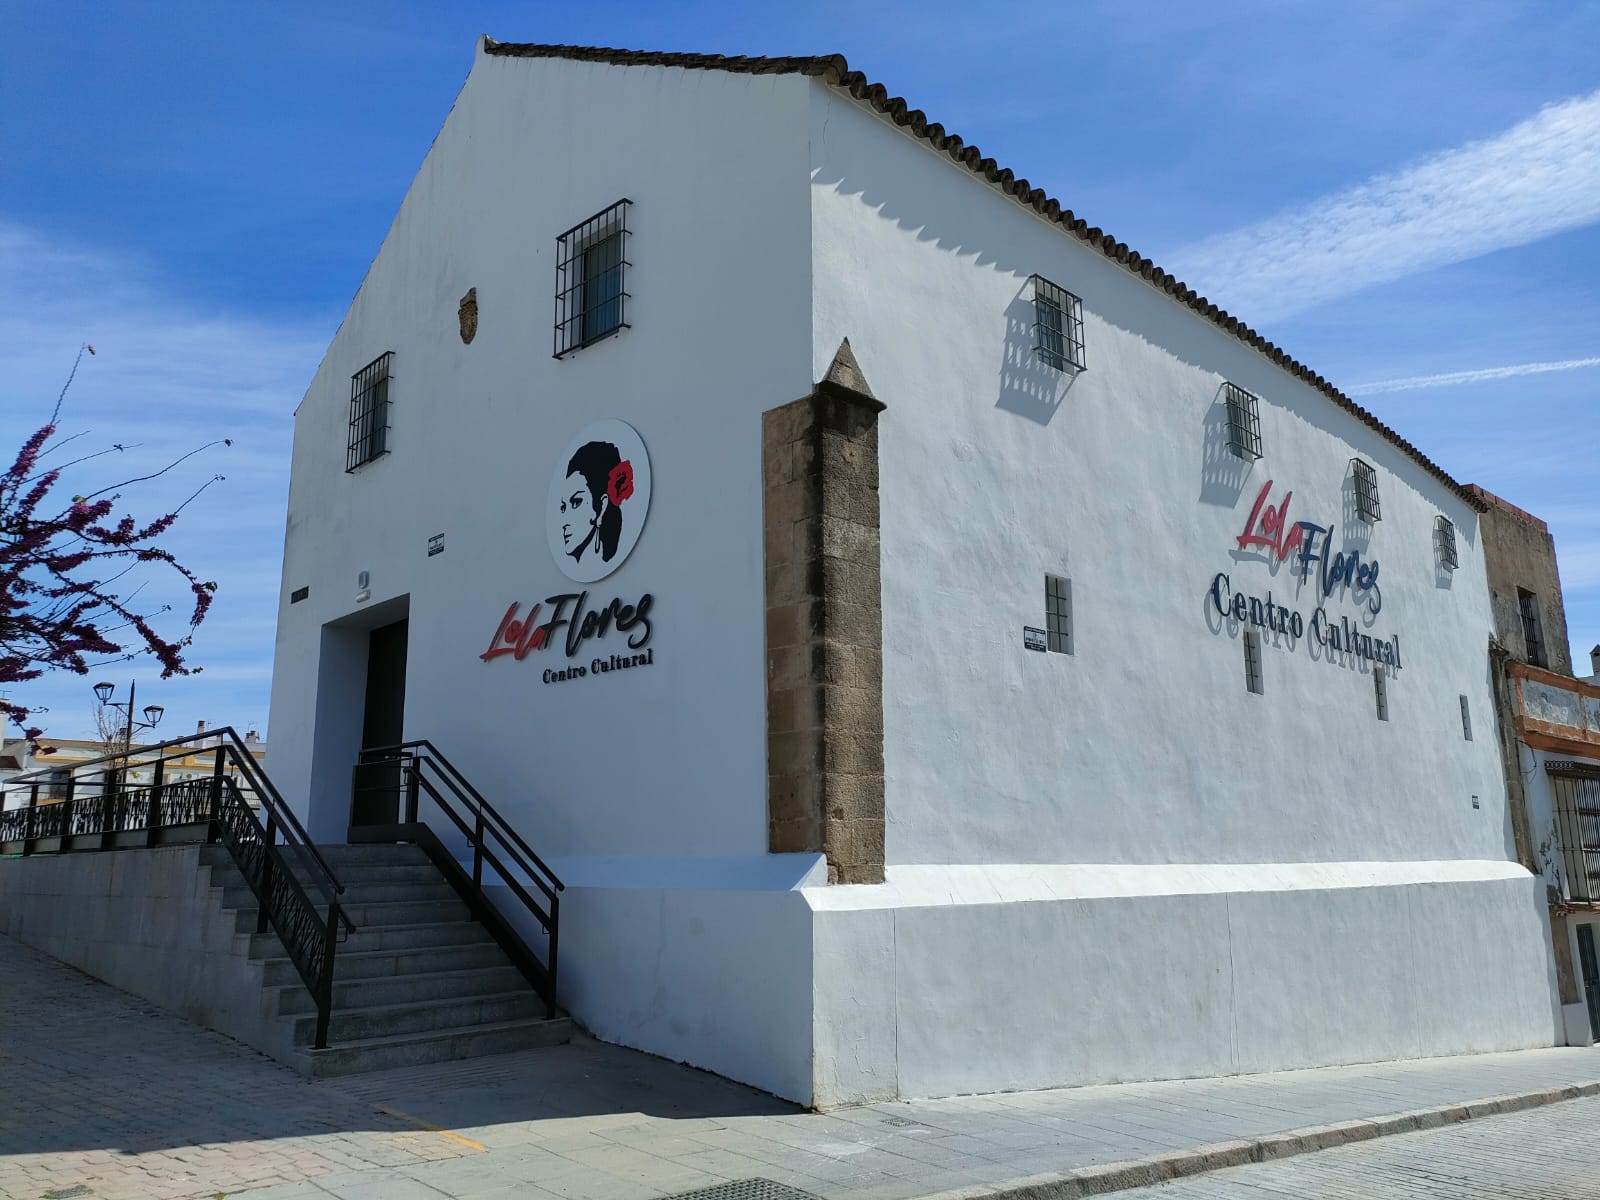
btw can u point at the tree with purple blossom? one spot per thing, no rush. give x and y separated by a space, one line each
66 598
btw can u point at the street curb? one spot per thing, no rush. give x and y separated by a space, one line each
1143 1172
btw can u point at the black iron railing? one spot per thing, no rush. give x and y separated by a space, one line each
204 787
414 770
1575 790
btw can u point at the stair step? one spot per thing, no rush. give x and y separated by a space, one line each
351 995
435 1046
428 912
382 964
415 936
241 895
372 853
355 874
388 1020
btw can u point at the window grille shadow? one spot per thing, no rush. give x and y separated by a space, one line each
1223 474
1356 533
1029 387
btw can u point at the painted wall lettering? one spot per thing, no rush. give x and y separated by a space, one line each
1268 528
519 637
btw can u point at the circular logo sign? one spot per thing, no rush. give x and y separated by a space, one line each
599 497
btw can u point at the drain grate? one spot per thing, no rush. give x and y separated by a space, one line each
904 1123
70 1193
746 1189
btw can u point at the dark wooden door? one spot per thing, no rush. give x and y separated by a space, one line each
377 788
1591 977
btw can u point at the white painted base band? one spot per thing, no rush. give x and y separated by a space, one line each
959 979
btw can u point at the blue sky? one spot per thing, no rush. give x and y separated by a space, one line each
1394 193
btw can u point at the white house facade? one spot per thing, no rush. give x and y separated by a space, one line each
938 652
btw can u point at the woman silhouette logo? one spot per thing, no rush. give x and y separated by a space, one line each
599 497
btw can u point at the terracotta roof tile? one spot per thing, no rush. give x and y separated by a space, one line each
834 70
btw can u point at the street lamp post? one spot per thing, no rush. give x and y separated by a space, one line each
152 712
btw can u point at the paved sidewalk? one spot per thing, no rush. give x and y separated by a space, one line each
103 1093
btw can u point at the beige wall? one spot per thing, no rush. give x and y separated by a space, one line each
1518 552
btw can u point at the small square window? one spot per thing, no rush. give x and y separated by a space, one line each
1058 613
1244 423
1057 326
1380 690
1446 532
369 413
1252 664
591 266
1466 720
1366 484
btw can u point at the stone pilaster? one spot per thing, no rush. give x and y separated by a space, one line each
825 625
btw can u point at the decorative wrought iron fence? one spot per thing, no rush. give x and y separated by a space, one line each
204 787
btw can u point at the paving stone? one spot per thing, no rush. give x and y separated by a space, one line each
136 1105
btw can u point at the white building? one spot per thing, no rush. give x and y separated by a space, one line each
1226 820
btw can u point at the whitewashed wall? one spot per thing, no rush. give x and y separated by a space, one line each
668 760
1346 901
1143 745
661 764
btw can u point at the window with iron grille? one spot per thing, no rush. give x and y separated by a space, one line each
1466 720
1366 483
1252 664
1058 613
1447 544
1057 326
591 266
1532 630
1244 423
1380 691
369 413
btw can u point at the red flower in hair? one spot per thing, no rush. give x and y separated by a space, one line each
619 484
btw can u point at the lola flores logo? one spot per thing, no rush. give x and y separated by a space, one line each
598 500
599 497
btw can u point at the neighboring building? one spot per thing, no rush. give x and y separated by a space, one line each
1003 691
1549 726
67 753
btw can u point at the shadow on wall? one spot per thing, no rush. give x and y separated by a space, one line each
1223 474
943 216
1357 532
1029 386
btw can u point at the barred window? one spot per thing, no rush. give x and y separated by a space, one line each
1446 533
591 265
1380 689
369 412
1252 664
1532 629
1466 720
1366 484
1057 326
1244 423
1058 613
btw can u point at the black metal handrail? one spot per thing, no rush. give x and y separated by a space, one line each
423 770
97 808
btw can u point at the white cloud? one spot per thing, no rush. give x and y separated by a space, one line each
1481 375
169 375
1539 178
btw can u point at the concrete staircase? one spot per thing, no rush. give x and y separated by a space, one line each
419 981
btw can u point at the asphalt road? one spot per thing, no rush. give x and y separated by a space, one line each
1550 1153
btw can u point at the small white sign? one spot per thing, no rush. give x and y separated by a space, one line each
1034 639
